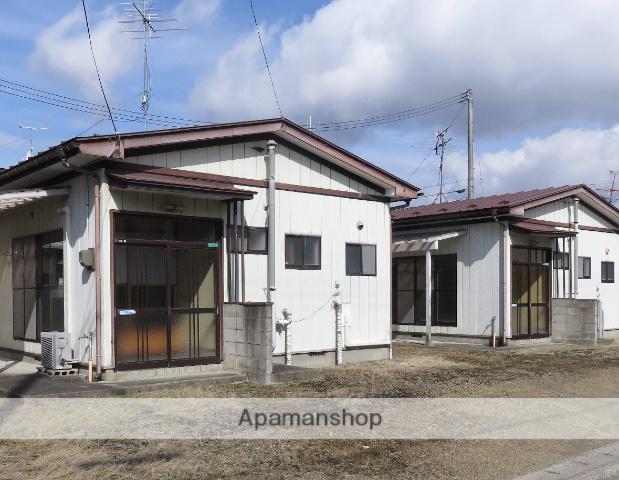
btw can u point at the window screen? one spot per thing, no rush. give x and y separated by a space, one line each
561 260
303 252
584 267
38 285
360 259
608 272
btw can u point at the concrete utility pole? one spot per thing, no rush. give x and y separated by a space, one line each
471 174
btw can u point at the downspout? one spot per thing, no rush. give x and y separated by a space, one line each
576 229
271 146
507 303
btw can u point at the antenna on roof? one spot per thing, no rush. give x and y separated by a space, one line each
439 150
143 13
30 131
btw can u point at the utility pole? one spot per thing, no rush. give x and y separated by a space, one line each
30 131
471 169
439 150
612 190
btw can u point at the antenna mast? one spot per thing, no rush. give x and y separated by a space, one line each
30 131
439 150
144 14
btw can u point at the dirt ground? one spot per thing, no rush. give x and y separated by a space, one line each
556 371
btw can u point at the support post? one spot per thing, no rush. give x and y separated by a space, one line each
471 169
428 296
575 260
507 300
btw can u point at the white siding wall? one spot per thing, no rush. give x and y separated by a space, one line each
599 246
243 160
479 288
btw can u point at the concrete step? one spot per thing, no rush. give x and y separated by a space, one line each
161 372
289 373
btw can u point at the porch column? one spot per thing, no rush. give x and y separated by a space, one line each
429 249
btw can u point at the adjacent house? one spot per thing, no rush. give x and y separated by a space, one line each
522 266
200 245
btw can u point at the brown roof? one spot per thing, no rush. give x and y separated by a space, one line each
508 203
188 137
503 201
539 228
166 180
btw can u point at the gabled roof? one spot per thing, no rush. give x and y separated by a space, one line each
504 204
129 144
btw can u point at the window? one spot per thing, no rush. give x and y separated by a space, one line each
360 259
254 240
608 272
38 285
584 267
561 260
409 292
302 252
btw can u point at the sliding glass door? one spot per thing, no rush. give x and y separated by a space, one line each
166 295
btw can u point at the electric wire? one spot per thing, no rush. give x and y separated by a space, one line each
76 101
266 61
94 60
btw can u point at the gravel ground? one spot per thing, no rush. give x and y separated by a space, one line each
556 371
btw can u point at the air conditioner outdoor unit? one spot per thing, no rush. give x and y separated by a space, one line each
55 350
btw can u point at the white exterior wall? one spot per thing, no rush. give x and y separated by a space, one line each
599 246
479 287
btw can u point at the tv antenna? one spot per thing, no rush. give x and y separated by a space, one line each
29 132
143 13
439 150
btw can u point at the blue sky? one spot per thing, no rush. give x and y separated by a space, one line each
545 85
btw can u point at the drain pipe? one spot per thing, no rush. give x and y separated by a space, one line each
286 324
271 146
337 305
575 260
507 301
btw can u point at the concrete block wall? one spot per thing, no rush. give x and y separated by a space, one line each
248 340
575 320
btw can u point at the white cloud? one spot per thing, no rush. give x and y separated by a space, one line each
570 156
63 51
530 63
196 11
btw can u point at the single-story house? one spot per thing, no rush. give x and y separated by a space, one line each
199 245
508 266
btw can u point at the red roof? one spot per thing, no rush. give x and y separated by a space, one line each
499 202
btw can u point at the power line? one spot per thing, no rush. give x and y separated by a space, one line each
73 100
389 118
94 60
266 61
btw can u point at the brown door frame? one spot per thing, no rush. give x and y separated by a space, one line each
548 303
167 244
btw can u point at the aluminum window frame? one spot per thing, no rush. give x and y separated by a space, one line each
581 274
604 277
303 265
360 245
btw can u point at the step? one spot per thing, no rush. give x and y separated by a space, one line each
144 373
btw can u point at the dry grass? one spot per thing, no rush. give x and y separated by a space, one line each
415 372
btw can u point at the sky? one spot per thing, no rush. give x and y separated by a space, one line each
544 77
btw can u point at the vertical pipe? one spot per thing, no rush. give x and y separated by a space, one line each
237 248
230 238
563 294
339 340
471 169
271 146
98 342
507 300
576 230
244 244
428 296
